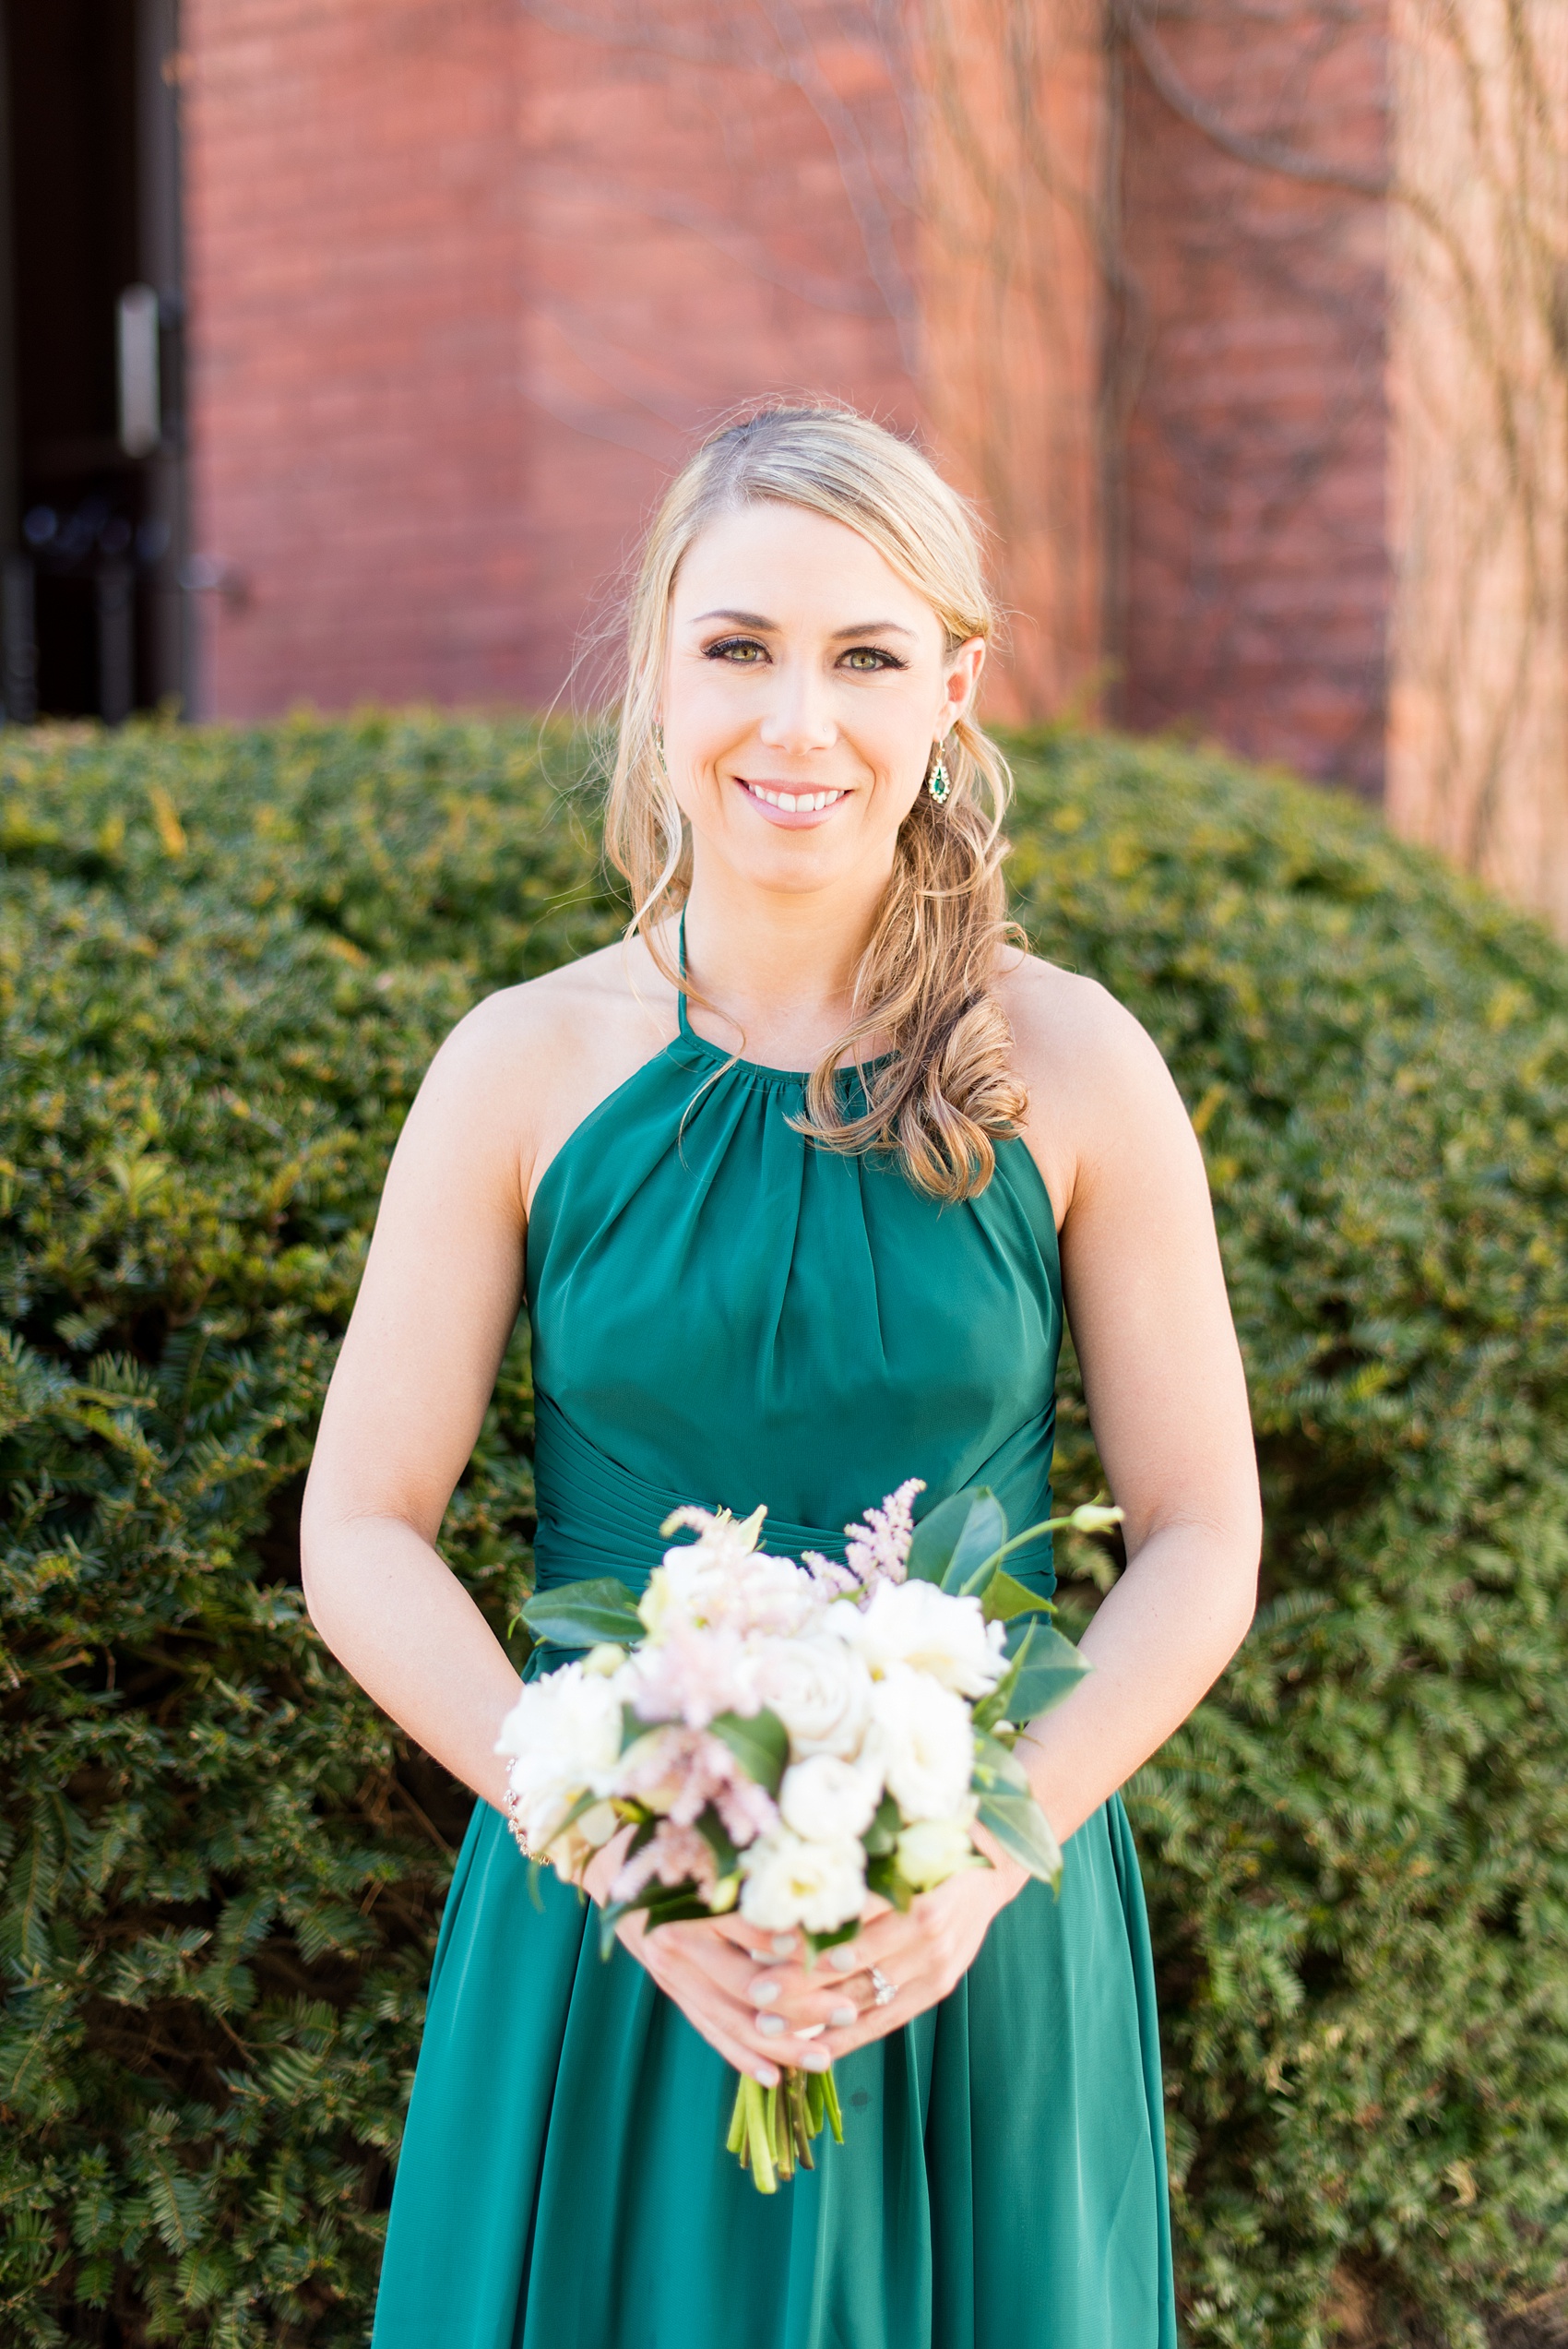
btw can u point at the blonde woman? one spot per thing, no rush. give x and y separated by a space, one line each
794 1188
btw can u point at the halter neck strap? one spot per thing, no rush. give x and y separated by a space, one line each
681 992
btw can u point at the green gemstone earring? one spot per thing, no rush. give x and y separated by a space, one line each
938 781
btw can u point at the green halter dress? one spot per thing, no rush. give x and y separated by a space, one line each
722 1313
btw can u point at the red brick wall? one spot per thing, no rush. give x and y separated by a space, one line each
464 284
1254 581
355 261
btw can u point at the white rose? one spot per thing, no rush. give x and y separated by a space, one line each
827 1800
914 1623
722 1582
790 1882
921 1736
820 1690
570 1717
934 1849
563 1735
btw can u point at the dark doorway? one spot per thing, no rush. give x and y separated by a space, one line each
91 469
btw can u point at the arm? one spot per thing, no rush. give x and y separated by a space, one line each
413 1380
1168 1403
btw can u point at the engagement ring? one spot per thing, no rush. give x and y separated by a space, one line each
882 1991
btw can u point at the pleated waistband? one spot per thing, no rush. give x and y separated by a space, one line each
596 1517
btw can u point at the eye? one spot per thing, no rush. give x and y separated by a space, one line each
744 651
865 659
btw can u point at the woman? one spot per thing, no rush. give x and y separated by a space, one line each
748 1284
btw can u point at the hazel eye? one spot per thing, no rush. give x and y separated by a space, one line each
865 659
743 652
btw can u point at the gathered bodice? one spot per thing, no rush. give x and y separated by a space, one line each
724 1312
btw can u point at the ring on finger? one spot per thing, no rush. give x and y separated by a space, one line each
882 1991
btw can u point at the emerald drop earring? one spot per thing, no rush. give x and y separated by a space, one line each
938 782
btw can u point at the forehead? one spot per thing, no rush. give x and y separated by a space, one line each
797 569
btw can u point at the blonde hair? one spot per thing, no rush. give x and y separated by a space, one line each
945 1092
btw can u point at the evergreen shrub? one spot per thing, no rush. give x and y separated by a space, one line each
226 958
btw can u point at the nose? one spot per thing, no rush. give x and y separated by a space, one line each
799 716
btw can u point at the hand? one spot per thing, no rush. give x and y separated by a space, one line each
749 1993
708 1968
922 1951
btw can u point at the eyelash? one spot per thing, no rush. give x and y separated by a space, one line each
728 645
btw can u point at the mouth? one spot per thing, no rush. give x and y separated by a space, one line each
789 805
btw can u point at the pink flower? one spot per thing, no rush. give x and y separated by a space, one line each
878 1548
679 1772
672 1855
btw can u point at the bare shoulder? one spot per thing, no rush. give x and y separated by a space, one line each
528 1062
1096 1079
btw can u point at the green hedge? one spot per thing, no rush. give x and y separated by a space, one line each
226 958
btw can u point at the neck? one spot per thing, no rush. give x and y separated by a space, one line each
780 967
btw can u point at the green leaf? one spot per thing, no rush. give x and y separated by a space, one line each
582 1614
998 1768
936 1537
760 1743
884 1875
1004 1597
711 1828
883 1833
974 1554
1022 1829
1047 1668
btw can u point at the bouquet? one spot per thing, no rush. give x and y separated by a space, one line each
785 1737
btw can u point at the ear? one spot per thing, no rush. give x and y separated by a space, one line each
961 680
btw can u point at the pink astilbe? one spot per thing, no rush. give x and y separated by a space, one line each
878 1548
679 1772
672 1855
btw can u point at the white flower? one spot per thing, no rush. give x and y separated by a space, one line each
934 1849
820 1690
564 1734
826 1800
914 1623
723 1581
790 1882
921 1737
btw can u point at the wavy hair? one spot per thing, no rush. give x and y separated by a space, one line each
945 1093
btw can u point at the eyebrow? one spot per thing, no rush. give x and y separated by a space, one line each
770 627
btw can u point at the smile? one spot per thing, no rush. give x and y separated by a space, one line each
793 802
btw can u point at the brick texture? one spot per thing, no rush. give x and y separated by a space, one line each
1251 531
466 280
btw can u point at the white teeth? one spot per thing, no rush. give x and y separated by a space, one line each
793 802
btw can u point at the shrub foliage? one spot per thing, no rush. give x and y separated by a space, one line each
226 959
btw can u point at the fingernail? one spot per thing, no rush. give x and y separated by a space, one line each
814 2059
783 1945
765 1992
766 2076
811 2031
842 2017
770 2026
842 1958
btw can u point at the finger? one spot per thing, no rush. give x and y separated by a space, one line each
716 2010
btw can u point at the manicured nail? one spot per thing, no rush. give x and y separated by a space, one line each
766 2076
814 2059
842 1958
765 1992
770 2026
783 1945
811 2031
842 2017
